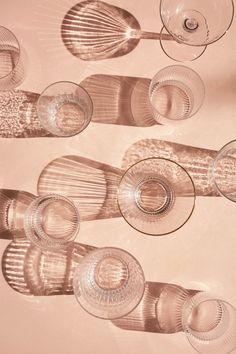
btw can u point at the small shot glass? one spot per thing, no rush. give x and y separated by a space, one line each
176 93
64 109
109 283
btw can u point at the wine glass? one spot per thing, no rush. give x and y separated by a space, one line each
209 324
11 60
109 283
176 93
51 222
195 23
156 196
224 171
64 109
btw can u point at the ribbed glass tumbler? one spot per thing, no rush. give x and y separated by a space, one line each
176 93
64 109
209 324
51 222
109 283
224 171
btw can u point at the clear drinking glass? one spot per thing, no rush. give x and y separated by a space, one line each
156 196
51 221
109 283
197 22
11 60
224 171
64 109
176 93
209 324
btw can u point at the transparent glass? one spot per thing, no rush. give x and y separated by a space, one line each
11 60
64 109
176 93
156 196
197 22
179 51
209 324
51 221
109 283
224 171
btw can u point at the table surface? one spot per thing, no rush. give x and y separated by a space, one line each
199 255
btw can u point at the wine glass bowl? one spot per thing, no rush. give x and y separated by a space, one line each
156 196
197 22
108 283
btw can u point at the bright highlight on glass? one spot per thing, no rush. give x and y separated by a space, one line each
64 109
109 283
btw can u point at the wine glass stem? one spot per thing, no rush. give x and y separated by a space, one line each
154 35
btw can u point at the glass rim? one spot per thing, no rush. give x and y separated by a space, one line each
197 45
19 48
44 241
100 249
194 195
189 70
171 57
214 163
78 86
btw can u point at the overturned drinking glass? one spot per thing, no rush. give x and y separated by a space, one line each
64 109
176 93
109 283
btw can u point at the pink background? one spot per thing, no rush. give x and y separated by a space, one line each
200 255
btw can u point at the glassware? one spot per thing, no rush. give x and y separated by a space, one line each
209 324
30 270
51 221
224 171
156 196
11 60
176 93
64 109
195 23
109 283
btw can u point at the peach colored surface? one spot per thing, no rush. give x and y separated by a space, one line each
199 255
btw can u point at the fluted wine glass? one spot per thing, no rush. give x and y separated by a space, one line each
109 283
176 93
156 196
224 171
209 324
196 23
64 109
